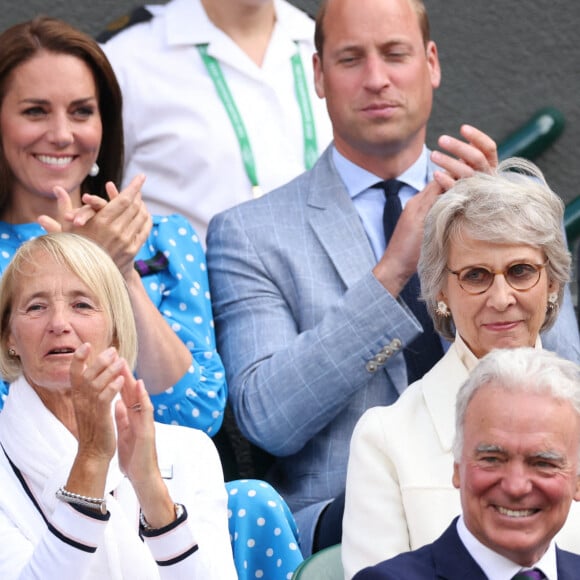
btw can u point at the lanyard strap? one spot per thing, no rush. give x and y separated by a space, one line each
301 89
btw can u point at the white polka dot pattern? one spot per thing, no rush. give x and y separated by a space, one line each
263 531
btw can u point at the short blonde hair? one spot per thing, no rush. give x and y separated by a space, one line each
94 267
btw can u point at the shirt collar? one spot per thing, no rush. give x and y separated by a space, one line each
498 567
469 359
180 14
356 179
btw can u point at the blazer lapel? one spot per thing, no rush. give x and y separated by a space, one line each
568 565
452 560
440 387
336 223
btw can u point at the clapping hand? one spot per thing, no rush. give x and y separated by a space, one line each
120 225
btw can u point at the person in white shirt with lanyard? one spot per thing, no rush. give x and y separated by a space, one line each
219 111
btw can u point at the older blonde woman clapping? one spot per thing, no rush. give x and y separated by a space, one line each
86 473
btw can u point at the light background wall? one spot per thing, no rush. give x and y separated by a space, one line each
502 61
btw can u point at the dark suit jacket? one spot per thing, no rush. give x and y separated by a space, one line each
448 559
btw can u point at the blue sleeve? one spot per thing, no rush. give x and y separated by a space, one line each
3 393
181 294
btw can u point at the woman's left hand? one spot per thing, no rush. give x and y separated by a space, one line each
135 431
138 455
121 225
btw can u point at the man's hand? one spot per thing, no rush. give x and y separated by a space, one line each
463 158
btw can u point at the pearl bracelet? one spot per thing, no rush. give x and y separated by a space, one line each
94 503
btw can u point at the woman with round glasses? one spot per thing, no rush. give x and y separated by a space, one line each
493 267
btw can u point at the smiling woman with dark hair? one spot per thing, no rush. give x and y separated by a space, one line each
61 136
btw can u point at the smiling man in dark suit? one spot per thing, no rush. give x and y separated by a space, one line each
516 466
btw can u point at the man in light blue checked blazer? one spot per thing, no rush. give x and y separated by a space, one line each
309 320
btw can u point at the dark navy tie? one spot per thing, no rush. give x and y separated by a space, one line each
534 574
421 354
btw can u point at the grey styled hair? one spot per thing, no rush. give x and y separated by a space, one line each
513 205
94 267
522 369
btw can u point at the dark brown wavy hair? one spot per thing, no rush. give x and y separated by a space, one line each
22 42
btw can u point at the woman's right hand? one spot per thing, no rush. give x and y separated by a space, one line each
94 385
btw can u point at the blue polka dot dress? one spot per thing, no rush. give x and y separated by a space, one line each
180 291
262 528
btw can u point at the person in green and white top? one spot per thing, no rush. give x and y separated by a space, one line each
216 131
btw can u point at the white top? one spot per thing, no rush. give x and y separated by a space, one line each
70 544
177 131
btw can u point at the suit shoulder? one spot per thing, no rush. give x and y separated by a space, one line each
415 565
294 192
568 559
138 15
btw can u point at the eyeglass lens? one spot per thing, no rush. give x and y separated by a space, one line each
518 276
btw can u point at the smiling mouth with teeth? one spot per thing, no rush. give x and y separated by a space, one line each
59 161
516 513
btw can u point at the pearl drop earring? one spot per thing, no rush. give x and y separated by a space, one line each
442 309
94 170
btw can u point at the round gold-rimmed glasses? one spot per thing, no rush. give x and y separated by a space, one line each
521 276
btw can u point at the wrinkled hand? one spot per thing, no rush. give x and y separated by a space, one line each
121 225
477 153
94 385
136 432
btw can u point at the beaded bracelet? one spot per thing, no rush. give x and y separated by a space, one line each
94 503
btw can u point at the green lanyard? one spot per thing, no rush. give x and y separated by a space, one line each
300 87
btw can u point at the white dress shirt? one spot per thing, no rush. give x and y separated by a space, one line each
498 567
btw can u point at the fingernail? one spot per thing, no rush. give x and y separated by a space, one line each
83 349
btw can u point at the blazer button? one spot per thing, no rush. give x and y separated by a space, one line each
396 344
381 359
371 366
388 351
